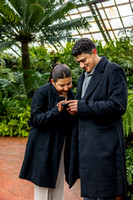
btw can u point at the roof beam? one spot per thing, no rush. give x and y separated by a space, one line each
98 23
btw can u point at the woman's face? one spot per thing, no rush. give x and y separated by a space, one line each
62 85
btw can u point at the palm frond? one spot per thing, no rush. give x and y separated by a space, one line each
46 4
19 6
56 14
60 12
9 11
7 87
36 14
2 18
36 80
7 44
70 25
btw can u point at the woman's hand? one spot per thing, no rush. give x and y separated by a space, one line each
60 106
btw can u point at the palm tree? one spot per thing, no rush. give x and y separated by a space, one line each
25 21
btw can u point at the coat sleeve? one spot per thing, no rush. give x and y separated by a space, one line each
115 103
40 115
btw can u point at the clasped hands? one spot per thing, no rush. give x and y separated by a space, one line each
72 106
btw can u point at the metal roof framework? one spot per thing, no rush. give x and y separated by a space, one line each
109 19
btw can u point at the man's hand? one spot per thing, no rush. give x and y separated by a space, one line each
71 112
73 105
119 198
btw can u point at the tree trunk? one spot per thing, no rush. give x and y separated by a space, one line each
26 66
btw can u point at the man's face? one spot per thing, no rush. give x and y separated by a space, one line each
87 61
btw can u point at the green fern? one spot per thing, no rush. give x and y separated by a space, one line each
128 116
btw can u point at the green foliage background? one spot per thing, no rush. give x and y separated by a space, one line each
11 76
15 106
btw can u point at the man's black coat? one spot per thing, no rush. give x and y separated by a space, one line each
101 138
49 129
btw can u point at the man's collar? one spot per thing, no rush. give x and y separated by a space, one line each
89 74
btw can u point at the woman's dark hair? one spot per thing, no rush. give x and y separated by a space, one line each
59 71
83 45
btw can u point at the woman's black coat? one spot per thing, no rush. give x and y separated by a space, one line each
49 130
101 138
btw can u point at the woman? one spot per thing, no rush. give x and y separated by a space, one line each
48 146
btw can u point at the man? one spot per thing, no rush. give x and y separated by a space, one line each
100 103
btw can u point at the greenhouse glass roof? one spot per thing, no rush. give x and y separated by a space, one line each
109 19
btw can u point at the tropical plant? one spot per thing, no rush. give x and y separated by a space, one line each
119 51
25 21
129 171
11 61
15 122
128 116
11 83
41 59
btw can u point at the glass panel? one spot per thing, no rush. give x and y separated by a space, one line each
73 11
121 1
128 21
107 24
97 36
111 12
67 18
76 36
99 5
87 36
94 27
86 14
84 8
74 32
116 23
108 3
125 10
102 14
75 16
117 34
83 31
111 35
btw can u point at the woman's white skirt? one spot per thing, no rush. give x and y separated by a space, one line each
43 193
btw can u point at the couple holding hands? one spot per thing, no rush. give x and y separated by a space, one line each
81 136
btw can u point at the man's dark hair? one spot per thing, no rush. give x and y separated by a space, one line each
60 71
83 45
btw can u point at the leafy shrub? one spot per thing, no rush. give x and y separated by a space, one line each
129 170
14 115
11 83
14 123
128 116
41 59
119 52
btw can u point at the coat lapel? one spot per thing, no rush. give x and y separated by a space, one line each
79 88
97 75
